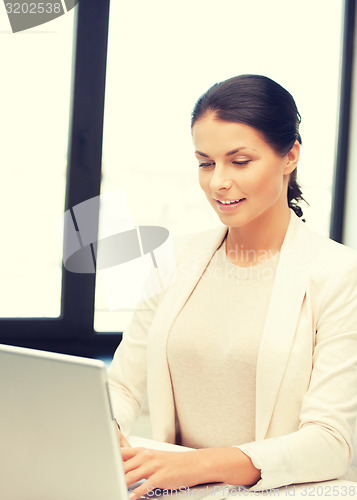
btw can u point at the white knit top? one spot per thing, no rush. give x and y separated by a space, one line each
212 353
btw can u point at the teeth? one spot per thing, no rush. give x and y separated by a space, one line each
230 202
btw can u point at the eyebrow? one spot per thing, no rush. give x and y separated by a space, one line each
230 153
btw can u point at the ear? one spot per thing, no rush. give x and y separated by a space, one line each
292 158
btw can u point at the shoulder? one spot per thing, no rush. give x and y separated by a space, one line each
328 265
306 245
331 255
331 272
333 266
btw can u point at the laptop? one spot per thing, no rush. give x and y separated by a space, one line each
58 438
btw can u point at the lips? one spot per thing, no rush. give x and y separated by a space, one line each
229 205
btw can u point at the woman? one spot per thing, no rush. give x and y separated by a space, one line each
250 356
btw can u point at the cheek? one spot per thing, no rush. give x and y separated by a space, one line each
266 181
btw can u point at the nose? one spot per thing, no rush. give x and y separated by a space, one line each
220 179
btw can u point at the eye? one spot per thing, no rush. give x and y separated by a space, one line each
241 163
206 165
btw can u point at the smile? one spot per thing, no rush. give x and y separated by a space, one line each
229 205
229 202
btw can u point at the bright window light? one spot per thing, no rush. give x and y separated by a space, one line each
35 101
164 55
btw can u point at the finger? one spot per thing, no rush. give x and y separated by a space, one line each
132 463
133 477
142 471
122 439
141 490
124 443
139 467
134 457
129 452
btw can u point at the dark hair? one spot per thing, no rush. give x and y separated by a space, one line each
263 104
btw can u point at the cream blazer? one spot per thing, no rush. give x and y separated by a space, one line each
306 378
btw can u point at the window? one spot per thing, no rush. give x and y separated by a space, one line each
35 103
161 59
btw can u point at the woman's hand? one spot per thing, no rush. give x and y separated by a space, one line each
177 469
161 469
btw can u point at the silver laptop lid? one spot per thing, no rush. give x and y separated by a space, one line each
57 435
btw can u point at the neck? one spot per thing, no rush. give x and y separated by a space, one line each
261 238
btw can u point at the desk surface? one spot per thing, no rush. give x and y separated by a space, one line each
337 488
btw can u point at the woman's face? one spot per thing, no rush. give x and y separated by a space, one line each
241 175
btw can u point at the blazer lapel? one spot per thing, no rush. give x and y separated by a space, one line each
283 313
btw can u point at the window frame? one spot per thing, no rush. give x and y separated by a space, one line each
343 134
